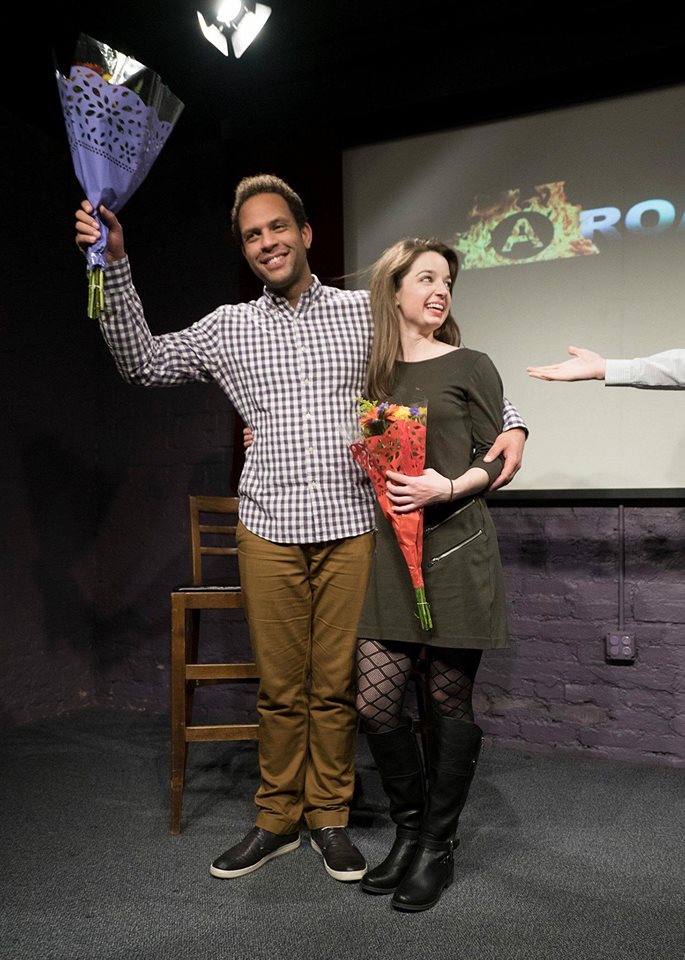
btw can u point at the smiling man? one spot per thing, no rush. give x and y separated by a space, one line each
306 510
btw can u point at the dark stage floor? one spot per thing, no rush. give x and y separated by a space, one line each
560 858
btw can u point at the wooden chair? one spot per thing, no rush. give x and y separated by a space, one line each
187 674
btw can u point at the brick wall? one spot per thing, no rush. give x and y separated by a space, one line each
553 688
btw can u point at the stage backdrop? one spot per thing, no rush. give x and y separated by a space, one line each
570 229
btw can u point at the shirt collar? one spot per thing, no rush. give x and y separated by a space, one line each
310 295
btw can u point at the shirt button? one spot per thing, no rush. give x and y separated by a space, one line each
310 450
313 484
306 381
308 415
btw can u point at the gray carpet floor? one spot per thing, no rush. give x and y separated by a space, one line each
561 858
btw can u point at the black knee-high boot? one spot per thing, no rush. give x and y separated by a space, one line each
398 760
455 746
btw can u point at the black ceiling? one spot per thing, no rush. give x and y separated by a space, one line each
363 71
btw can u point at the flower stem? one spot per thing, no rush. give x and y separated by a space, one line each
424 609
96 293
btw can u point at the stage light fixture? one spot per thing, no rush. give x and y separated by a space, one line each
239 20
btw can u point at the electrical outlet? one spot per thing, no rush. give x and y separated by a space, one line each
620 648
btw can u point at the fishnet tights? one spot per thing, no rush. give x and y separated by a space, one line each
383 671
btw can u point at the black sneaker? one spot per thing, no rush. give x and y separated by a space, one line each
252 852
341 858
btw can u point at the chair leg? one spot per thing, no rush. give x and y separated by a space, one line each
192 642
179 622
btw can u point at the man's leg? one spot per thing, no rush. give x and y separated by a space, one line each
338 574
275 582
277 593
303 605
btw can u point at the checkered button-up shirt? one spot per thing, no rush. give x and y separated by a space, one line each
293 375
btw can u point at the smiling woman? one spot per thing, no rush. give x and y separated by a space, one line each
416 357
407 277
424 296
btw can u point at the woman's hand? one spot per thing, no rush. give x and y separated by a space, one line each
88 231
410 493
248 438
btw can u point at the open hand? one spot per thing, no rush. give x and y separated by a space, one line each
585 365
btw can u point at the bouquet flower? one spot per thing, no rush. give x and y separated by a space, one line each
393 437
118 115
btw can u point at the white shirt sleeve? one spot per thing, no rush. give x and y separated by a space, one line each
662 371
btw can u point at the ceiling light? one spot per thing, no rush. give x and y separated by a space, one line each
239 20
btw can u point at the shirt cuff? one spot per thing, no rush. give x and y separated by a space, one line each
618 373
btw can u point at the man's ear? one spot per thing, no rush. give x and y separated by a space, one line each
307 235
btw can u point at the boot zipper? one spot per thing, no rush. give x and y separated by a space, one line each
464 543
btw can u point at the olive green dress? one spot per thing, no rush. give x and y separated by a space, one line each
463 574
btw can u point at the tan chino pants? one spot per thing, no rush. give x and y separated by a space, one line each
303 604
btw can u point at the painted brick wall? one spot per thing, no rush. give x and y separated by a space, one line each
553 688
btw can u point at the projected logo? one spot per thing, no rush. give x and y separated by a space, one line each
509 230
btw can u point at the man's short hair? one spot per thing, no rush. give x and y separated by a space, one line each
265 183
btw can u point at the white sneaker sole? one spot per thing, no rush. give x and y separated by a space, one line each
344 875
230 874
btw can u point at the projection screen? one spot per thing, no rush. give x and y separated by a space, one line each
570 227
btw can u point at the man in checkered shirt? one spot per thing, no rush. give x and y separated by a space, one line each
286 361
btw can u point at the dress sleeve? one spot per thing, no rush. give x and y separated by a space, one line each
148 360
485 396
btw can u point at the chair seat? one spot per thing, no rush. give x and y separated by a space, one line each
206 588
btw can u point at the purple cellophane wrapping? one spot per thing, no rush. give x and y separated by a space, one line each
114 136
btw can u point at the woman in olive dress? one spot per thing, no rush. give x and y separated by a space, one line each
417 359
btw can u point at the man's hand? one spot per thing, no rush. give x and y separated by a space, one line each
88 231
248 438
509 445
585 365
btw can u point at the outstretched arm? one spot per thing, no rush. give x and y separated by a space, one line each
661 371
140 357
584 365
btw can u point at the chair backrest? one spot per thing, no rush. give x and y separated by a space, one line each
220 535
